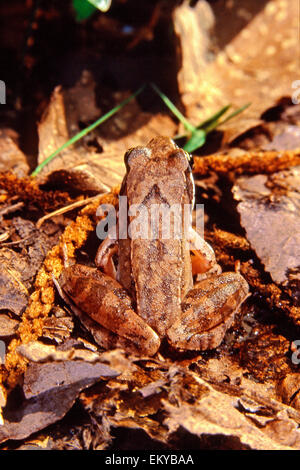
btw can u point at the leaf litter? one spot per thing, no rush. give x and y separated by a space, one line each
172 401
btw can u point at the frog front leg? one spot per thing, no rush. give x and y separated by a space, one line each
203 257
104 256
208 311
107 302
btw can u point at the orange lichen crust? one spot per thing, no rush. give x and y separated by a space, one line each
29 192
42 299
251 162
228 248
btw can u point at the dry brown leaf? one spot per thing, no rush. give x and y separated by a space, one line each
88 170
51 390
11 157
269 209
288 389
42 377
8 326
222 408
13 294
258 65
58 329
36 351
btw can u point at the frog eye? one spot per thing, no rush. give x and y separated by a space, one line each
136 156
179 158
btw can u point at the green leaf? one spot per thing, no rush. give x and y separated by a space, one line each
174 110
103 5
83 9
196 140
85 131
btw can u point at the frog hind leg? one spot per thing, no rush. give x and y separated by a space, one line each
104 256
105 301
208 311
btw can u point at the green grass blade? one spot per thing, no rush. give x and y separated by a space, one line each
215 117
85 131
235 113
205 124
197 140
173 109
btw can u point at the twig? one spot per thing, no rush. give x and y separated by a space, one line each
10 272
4 236
16 242
67 208
12 208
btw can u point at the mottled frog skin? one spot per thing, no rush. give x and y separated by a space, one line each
151 294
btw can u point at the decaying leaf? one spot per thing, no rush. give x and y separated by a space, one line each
288 139
80 102
218 415
8 326
42 377
58 329
38 352
13 294
289 390
51 390
267 204
34 243
237 73
221 409
11 157
89 170
265 356
18 269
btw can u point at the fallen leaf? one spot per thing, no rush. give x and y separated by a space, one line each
11 157
58 329
89 170
8 326
38 352
218 415
152 388
288 389
13 295
237 73
50 398
223 412
288 139
40 378
266 205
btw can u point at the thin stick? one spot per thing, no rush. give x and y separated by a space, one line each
10 272
16 242
12 208
68 208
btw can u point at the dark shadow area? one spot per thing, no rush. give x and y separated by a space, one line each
236 15
42 46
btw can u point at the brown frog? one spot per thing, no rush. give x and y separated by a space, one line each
151 294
